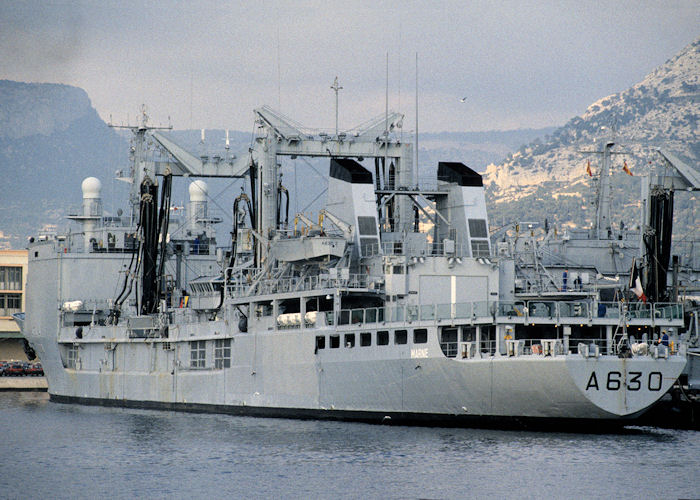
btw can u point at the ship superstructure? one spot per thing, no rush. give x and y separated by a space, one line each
392 305
605 251
606 258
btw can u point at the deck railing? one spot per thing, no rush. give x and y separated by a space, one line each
535 311
264 285
452 249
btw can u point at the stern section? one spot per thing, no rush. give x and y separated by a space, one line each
624 387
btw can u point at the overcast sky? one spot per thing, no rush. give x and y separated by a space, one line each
208 64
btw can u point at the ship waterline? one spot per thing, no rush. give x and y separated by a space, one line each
285 371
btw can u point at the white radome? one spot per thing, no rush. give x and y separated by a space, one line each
91 187
198 191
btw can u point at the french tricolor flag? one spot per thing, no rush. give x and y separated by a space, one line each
636 284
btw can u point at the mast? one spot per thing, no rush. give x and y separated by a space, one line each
140 168
336 88
415 171
386 120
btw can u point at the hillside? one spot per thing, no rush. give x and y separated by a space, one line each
547 178
50 139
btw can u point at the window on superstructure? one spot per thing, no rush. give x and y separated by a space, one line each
72 357
382 337
369 246
320 342
198 354
263 309
488 339
448 342
335 341
420 336
222 353
400 337
480 248
468 333
366 339
349 340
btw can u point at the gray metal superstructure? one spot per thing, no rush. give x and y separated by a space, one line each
604 257
392 306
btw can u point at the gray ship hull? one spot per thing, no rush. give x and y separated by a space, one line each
278 373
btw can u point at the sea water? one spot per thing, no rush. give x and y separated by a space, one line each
51 450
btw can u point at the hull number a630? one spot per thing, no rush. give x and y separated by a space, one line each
614 381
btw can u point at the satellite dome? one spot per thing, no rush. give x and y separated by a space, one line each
91 187
198 191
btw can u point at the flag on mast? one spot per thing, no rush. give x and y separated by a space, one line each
588 169
635 284
626 168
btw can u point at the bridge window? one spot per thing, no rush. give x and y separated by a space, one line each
349 340
400 337
420 336
335 341
366 339
383 337
448 342
468 333
320 342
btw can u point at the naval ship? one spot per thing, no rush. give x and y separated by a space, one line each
391 306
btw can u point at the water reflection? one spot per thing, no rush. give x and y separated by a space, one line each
26 399
80 451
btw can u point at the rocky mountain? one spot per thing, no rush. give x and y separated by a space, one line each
50 139
29 109
547 177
